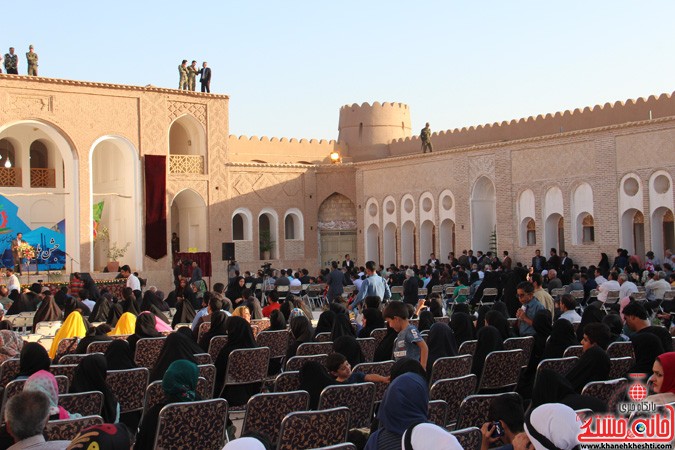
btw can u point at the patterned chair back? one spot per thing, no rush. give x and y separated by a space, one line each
314 429
501 370
620 350
16 387
560 365
276 341
453 391
67 370
467 347
204 327
66 430
469 438
609 391
247 365
9 370
205 430
216 345
287 382
73 358
378 334
473 410
526 344
438 412
444 319
148 350
98 347
66 346
323 337
378 368
314 348
262 324
129 387
203 358
208 372
84 403
573 350
368 346
264 412
358 397
618 367
296 362
451 367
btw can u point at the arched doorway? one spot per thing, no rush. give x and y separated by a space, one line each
554 233
373 244
663 232
187 146
57 189
483 213
337 229
268 234
189 221
408 243
427 240
115 202
389 238
447 237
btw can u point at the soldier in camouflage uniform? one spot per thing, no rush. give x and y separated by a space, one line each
32 59
11 62
192 75
183 73
425 136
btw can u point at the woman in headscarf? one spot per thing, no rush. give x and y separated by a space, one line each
102 437
73 304
603 265
562 336
33 358
10 345
126 325
325 323
20 304
489 340
592 314
176 346
615 324
426 321
297 302
558 424
102 308
314 378
480 320
277 321
129 301
441 344
90 375
73 326
594 363
405 403
285 309
119 356
43 381
185 312
94 334
497 320
509 297
47 311
145 328
235 290
239 336
348 347
385 349
342 327
542 330
302 332
647 347
372 320
552 387
179 383
152 304
218 328
115 313
462 326
662 381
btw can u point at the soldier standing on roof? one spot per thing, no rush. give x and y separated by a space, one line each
425 135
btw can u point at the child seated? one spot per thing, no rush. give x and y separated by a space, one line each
339 367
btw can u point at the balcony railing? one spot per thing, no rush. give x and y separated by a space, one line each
10 177
186 164
42 178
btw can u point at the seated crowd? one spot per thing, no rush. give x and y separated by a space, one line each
392 329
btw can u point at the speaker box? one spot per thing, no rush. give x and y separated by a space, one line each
228 251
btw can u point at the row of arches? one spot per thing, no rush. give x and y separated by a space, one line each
267 228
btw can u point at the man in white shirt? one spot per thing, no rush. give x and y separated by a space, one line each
609 285
657 287
295 286
599 279
84 298
628 288
132 280
13 281
568 307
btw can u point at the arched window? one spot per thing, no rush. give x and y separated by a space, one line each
531 232
588 229
238 228
289 227
242 225
10 175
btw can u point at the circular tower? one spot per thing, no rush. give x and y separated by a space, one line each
367 130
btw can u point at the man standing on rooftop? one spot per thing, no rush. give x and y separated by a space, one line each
425 136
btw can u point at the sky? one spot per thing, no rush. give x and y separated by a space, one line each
289 66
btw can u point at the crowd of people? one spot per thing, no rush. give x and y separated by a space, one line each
417 330
11 62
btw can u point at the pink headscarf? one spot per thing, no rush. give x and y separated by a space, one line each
43 381
160 325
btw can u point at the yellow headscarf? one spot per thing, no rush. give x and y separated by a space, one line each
125 325
73 326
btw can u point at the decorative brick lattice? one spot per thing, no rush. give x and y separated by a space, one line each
197 110
186 164
42 178
10 177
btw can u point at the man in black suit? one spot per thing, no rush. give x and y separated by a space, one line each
348 263
566 265
205 78
538 262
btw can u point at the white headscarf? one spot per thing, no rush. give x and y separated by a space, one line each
428 435
244 443
558 423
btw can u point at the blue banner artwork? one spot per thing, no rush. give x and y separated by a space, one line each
49 244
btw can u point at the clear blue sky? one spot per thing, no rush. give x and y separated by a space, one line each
289 66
